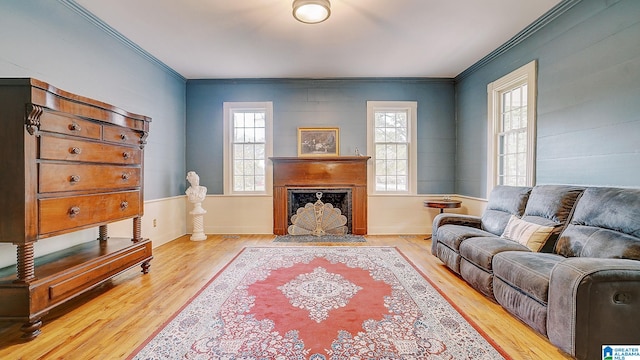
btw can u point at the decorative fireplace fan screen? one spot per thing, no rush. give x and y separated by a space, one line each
318 219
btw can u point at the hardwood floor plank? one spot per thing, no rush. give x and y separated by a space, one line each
113 320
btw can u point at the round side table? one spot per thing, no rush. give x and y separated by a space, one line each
441 204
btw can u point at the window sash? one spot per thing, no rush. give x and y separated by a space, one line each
511 150
247 148
512 137
392 147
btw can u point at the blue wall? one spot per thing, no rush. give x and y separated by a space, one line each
51 41
588 130
588 91
323 103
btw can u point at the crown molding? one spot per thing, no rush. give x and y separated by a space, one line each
525 33
77 8
407 80
534 27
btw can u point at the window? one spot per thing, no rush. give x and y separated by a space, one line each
248 145
391 137
511 128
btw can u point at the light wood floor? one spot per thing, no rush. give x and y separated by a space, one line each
113 320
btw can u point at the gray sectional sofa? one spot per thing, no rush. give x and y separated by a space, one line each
565 260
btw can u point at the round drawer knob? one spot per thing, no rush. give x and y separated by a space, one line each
74 127
126 155
124 205
74 211
75 150
123 137
74 178
125 176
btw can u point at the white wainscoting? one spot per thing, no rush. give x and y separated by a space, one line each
170 222
406 215
386 214
235 214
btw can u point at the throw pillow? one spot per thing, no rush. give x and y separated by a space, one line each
531 235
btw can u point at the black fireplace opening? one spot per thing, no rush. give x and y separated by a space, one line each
339 198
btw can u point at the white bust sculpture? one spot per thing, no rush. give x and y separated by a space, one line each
196 194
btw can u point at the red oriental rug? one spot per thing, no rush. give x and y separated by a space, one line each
318 303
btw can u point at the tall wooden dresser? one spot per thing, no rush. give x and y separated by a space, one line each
68 163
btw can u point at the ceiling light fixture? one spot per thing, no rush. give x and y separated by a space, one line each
311 11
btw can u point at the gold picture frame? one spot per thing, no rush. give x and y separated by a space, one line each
318 141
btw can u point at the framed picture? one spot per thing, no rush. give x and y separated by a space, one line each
318 141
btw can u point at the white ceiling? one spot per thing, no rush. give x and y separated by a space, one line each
363 38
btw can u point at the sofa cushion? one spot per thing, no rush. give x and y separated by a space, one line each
523 307
531 235
588 241
481 250
610 208
527 272
521 285
504 201
477 278
605 224
551 205
449 257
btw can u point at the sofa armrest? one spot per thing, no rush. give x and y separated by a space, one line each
453 219
456 219
593 302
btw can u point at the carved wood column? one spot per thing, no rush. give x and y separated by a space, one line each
137 229
25 265
103 233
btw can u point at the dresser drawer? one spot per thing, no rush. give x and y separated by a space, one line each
121 135
62 124
59 214
55 148
71 177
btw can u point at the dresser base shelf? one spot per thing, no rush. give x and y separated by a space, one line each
65 274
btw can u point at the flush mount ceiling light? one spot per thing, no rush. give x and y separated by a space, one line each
311 11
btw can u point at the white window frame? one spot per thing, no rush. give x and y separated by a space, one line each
525 74
228 109
412 113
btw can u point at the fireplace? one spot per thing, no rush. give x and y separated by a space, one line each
342 181
303 203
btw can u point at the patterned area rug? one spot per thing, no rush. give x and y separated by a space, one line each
318 303
324 238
